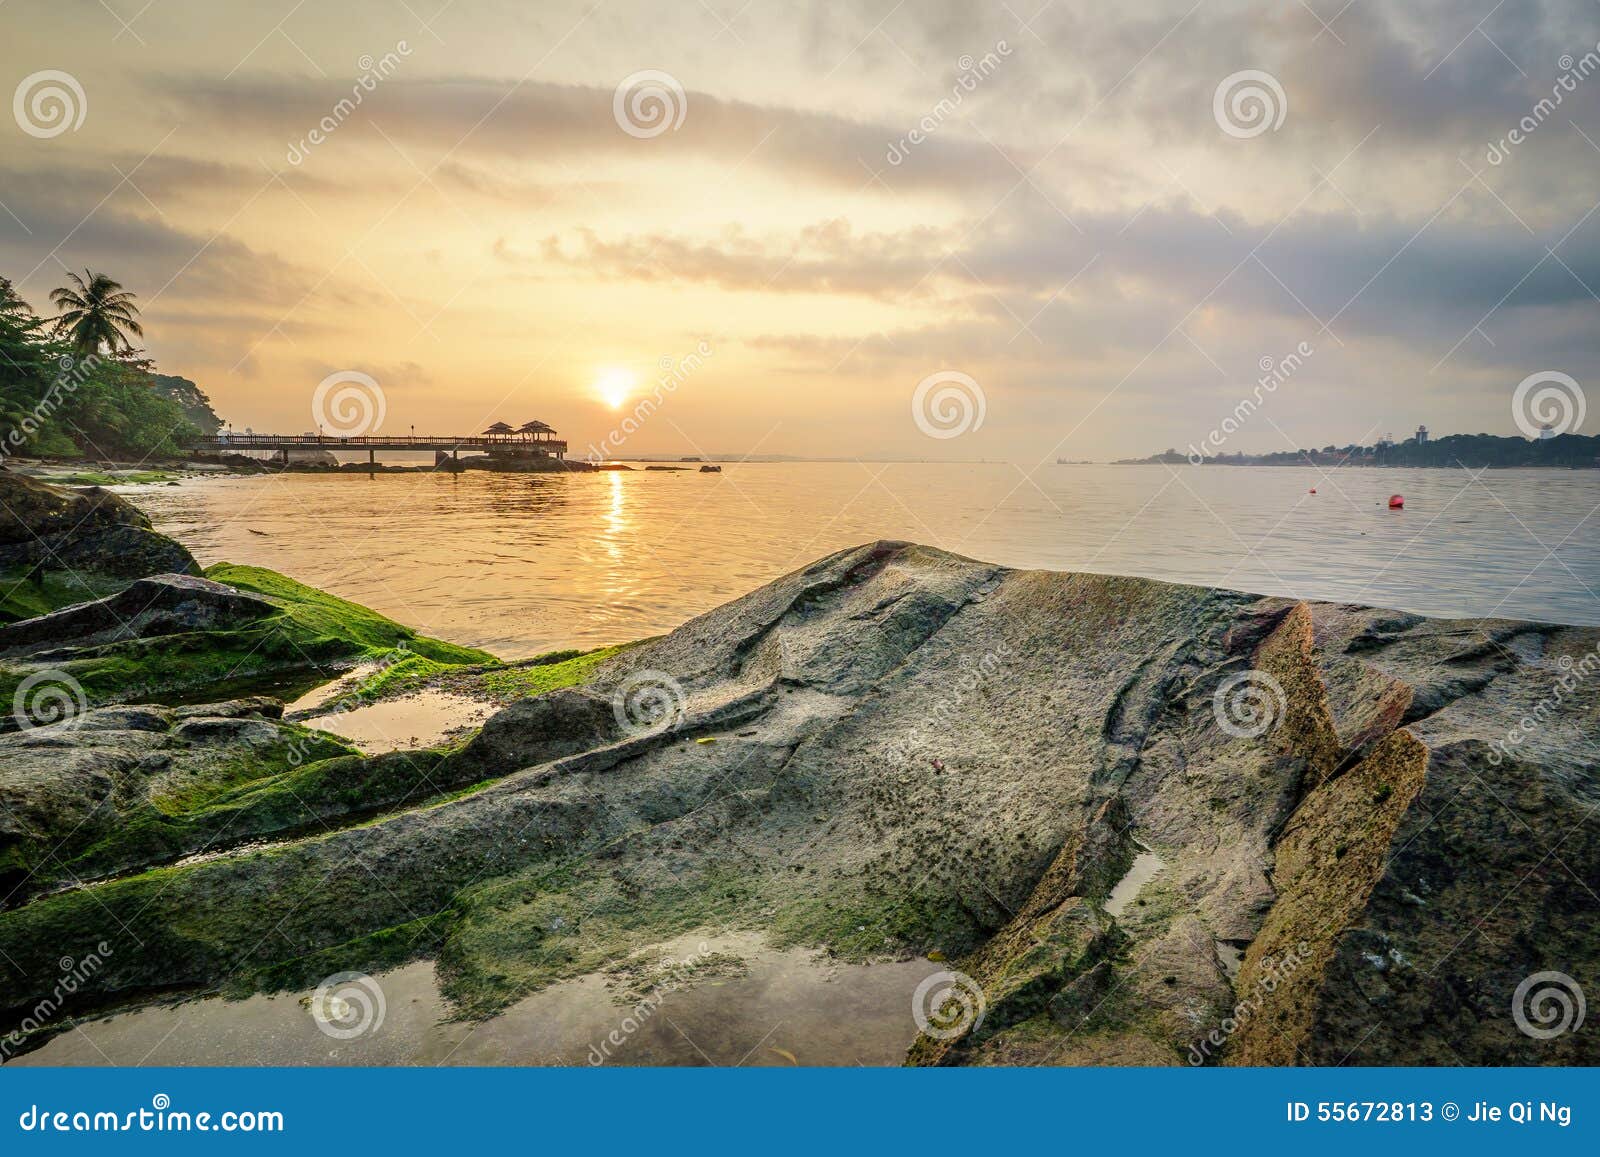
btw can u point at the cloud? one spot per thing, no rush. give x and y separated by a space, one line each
535 121
1410 278
828 257
53 222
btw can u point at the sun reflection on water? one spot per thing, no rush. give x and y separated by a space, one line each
616 517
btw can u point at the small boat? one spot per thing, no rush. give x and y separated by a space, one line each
711 469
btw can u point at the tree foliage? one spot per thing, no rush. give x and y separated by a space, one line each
59 399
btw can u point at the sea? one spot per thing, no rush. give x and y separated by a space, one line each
522 564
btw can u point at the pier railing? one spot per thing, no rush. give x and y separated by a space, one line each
447 442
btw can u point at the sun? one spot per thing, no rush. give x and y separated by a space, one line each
613 387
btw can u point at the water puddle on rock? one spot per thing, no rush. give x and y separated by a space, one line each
732 1002
418 720
325 690
1231 954
1145 865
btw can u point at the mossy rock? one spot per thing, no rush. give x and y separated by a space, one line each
60 545
289 629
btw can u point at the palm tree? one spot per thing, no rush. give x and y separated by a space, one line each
98 313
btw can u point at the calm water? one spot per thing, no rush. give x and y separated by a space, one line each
776 1008
524 564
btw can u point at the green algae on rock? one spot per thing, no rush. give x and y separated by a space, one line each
492 682
170 635
316 616
118 788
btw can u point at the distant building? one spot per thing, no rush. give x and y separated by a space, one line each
1386 441
1546 432
1422 435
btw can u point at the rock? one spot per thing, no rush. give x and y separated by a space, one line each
60 528
253 706
314 458
1380 799
225 731
536 731
69 790
178 637
239 463
163 605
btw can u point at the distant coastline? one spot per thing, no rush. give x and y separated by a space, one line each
1564 451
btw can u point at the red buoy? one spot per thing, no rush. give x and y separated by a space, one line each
1313 490
1397 501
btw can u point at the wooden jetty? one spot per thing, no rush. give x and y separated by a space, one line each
523 443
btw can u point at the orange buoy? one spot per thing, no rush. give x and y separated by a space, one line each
1397 501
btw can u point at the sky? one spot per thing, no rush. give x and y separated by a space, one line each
1020 230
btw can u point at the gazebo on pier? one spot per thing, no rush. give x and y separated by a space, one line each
533 439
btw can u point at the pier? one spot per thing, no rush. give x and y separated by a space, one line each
443 446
